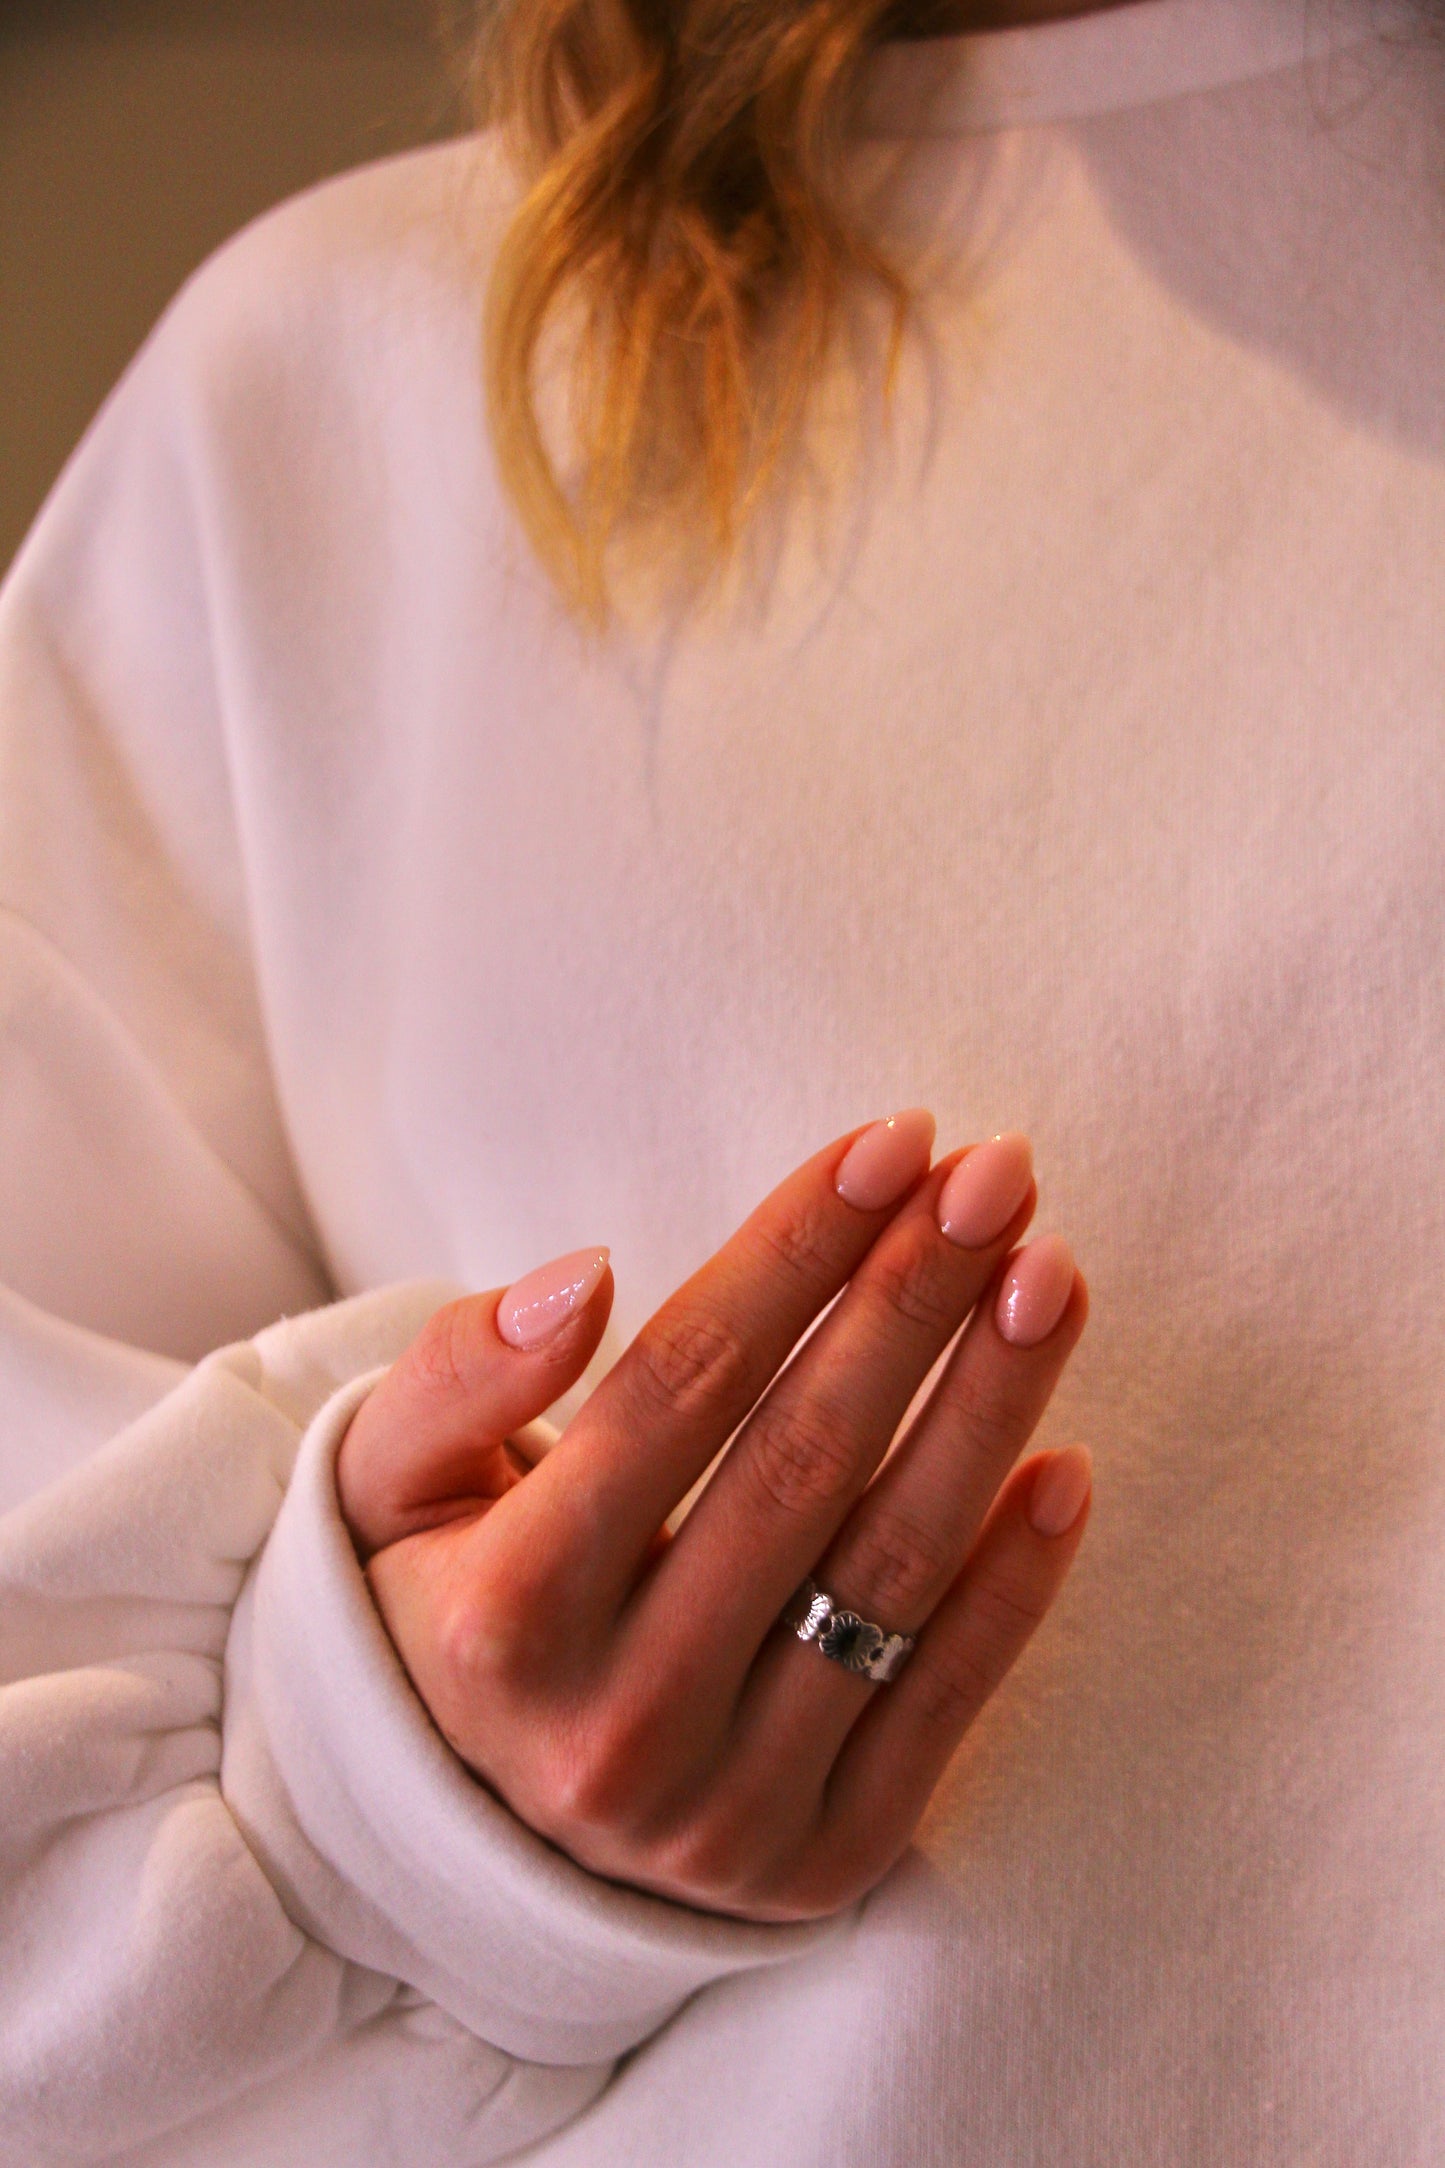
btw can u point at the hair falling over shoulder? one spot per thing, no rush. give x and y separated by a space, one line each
682 219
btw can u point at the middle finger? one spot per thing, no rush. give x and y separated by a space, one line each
904 1545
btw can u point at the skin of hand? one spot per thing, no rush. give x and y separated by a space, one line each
632 1696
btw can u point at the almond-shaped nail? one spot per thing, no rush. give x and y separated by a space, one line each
1035 1289
534 1309
1060 1488
887 1160
985 1190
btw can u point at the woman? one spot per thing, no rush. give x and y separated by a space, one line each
1059 750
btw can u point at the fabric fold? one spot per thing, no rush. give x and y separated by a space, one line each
237 1862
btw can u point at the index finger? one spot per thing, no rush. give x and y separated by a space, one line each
676 1395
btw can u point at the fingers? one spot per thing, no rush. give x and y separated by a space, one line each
429 1443
904 1544
669 1405
905 1737
592 1677
808 1450
908 1537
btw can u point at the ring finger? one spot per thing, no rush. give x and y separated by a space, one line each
907 1539
797 1467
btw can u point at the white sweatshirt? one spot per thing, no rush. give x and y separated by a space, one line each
366 935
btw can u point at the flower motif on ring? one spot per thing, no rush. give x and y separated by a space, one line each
851 1641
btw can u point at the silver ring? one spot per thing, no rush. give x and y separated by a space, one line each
844 1638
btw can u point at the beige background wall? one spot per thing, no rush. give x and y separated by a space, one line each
135 135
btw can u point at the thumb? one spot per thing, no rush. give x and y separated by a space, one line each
429 1442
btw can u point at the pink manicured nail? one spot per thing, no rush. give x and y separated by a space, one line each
1035 1289
985 1190
534 1310
1058 1495
887 1159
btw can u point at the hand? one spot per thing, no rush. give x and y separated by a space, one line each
633 1697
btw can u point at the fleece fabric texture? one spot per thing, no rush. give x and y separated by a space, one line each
367 932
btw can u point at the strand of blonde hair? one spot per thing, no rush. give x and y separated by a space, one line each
681 206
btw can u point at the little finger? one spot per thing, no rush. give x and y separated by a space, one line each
900 1746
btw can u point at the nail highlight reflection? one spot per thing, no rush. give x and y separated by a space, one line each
1035 1290
534 1309
887 1160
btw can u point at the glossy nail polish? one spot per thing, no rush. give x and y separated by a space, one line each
887 1160
1058 1495
534 1309
1035 1289
985 1190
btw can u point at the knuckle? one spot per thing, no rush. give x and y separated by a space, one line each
986 1411
580 1787
897 1562
439 1355
803 1245
804 1458
952 1692
703 1859
688 1357
913 1287
727 1851
594 1783
1007 1612
464 1673
476 1642
506 1637
601 1795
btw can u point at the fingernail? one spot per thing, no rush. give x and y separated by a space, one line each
534 1310
1058 1495
887 1160
985 1190
1035 1289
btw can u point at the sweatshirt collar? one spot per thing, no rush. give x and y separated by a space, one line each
1085 65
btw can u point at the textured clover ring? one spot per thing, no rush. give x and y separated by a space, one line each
855 1643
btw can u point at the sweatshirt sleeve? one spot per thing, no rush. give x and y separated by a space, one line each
252 1909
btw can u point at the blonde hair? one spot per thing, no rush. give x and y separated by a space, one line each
682 209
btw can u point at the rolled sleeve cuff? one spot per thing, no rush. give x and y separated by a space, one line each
386 1848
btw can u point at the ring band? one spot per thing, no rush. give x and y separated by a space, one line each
844 1638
